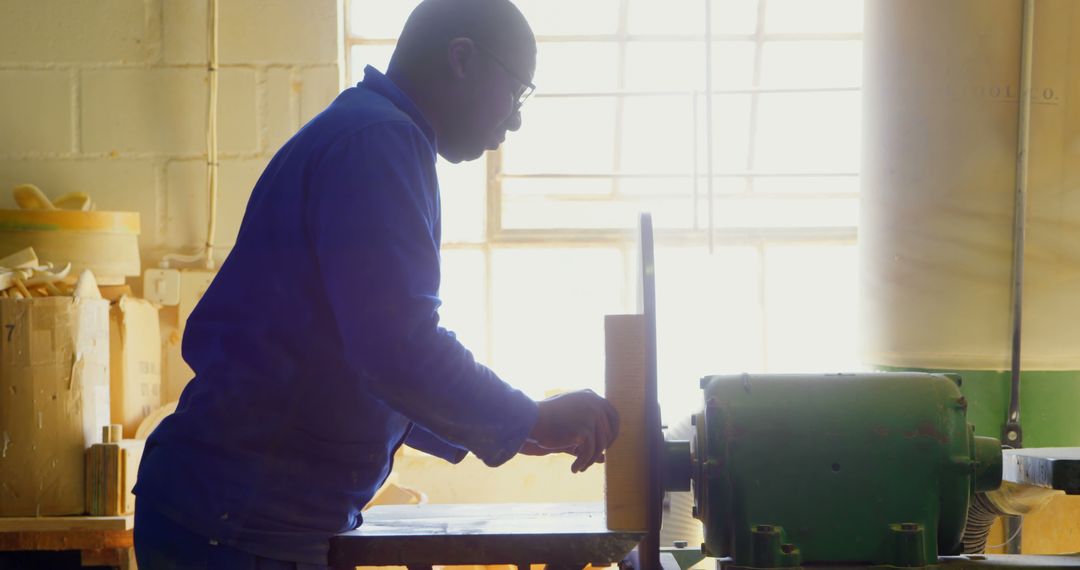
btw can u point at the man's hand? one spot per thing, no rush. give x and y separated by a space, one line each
579 423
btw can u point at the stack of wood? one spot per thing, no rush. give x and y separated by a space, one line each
70 229
22 276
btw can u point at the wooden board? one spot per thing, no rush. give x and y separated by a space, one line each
626 468
570 533
1048 467
48 524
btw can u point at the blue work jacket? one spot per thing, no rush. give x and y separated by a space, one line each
317 349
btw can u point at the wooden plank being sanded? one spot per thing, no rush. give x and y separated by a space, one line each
626 468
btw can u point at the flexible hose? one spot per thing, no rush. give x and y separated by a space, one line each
981 516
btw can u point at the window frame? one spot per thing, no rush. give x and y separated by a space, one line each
495 236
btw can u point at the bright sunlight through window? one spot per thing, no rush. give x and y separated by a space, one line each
756 264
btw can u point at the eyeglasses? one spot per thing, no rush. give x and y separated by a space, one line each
527 87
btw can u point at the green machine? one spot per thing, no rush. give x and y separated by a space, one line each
869 470
887 467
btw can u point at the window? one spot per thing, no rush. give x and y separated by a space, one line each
756 263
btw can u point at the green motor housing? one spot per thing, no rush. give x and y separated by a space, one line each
869 469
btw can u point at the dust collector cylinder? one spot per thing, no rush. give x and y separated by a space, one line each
941 105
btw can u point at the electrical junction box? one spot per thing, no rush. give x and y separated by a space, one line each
193 284
162 286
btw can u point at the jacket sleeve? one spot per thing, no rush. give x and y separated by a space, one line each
373 217
421 439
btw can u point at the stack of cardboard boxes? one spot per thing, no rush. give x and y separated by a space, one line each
70 366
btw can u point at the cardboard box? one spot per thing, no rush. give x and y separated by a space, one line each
135 361
54 400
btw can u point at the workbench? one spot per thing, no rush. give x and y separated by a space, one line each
563 535
101 541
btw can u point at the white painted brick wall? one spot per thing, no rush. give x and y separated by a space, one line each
55 31
49 128
109 97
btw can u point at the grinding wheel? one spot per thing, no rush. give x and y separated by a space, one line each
649 549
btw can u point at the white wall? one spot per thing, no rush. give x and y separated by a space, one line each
109 97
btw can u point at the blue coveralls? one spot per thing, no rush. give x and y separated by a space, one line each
317 349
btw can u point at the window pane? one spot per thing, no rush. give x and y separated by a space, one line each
562 203
651 66
361 56
808 132
688 17
576 67
543 204
679 66
571 17
731 133
573 135
549 308
709 320
813 16
811 308
812 64
526 205
658 135
666 17
379 19
464 309
751 211
734 16
806 185
463 188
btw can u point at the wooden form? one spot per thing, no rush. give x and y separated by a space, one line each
626 467
111 468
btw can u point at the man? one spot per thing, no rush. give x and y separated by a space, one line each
317 350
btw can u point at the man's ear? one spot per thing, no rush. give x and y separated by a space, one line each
461 54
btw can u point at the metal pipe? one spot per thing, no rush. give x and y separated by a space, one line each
1013 435
211 132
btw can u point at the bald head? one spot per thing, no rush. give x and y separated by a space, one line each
496 24
465 63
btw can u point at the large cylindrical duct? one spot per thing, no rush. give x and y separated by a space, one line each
941 108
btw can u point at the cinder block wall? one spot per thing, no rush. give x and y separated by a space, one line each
110 97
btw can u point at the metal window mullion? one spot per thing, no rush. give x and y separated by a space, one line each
725 197
709 93
357 41
489 302
493 226
762 305
682 93
620 84
838 235
722 174
660 38
696 152
751 155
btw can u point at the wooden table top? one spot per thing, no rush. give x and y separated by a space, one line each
559 533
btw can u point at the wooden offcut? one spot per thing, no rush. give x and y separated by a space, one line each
111 468
626 468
